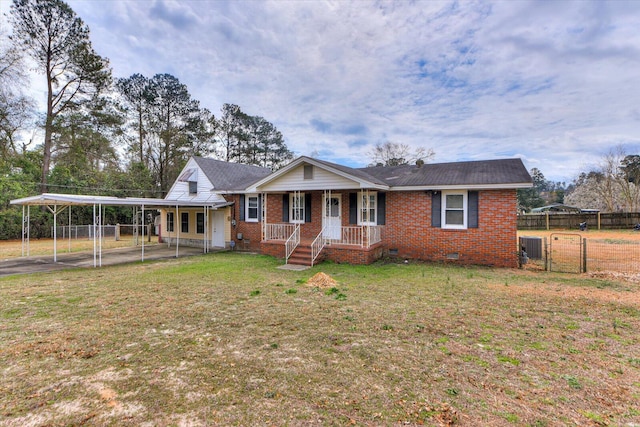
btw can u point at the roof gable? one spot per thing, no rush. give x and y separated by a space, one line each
227 177
341 177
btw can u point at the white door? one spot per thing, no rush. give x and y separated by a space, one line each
332 218
217 229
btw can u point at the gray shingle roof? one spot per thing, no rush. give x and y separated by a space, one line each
485 172
361 173
230 176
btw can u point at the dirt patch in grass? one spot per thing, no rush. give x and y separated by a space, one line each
229 339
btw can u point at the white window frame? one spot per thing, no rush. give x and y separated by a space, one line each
170 222
293 208
464 209
193 187
248 206
362 208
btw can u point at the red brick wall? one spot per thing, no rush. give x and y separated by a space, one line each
349 255
251 231
409 230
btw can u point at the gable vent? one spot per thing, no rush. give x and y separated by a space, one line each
308 171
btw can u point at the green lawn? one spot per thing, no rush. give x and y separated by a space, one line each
228 339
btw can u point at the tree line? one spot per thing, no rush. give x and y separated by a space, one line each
96 125
612 185
99 134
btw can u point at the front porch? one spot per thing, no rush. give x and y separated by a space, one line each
361 244
310 211
307 251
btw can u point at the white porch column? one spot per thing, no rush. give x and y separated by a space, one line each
204 238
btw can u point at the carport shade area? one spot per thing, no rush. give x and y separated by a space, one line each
58 204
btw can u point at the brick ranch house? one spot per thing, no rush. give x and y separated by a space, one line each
309 210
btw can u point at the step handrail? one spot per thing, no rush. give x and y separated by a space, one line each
318 244
292 243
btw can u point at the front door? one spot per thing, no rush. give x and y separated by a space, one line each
217 230
332 217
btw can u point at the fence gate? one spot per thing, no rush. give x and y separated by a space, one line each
566 253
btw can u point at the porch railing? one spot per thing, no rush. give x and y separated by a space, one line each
292 242
318 244
359 235
375 234
278 231
351 235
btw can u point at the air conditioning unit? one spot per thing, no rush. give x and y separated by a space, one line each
532 246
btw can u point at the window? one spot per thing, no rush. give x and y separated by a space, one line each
252 209
454 209
169 221
296 208
193 187
200 222
184 221
367 208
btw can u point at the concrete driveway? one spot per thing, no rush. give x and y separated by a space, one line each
44 263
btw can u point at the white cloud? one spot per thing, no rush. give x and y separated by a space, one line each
555 83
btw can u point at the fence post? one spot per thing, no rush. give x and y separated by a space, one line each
547 266
547 220
117 232
584 255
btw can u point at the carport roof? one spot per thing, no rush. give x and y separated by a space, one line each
86 200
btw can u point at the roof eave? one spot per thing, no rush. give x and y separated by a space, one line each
510 186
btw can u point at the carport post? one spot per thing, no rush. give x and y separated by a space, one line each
69 228
55 233
100 229
23 230
142 259
94 236
29 230
177 226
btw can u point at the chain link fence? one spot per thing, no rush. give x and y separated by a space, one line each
118 232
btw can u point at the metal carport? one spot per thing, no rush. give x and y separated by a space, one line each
57 203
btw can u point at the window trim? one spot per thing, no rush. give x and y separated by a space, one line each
183 223
170 222
301 208
361 208
465 210
193 187
248 207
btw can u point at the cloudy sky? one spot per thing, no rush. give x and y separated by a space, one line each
556 83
